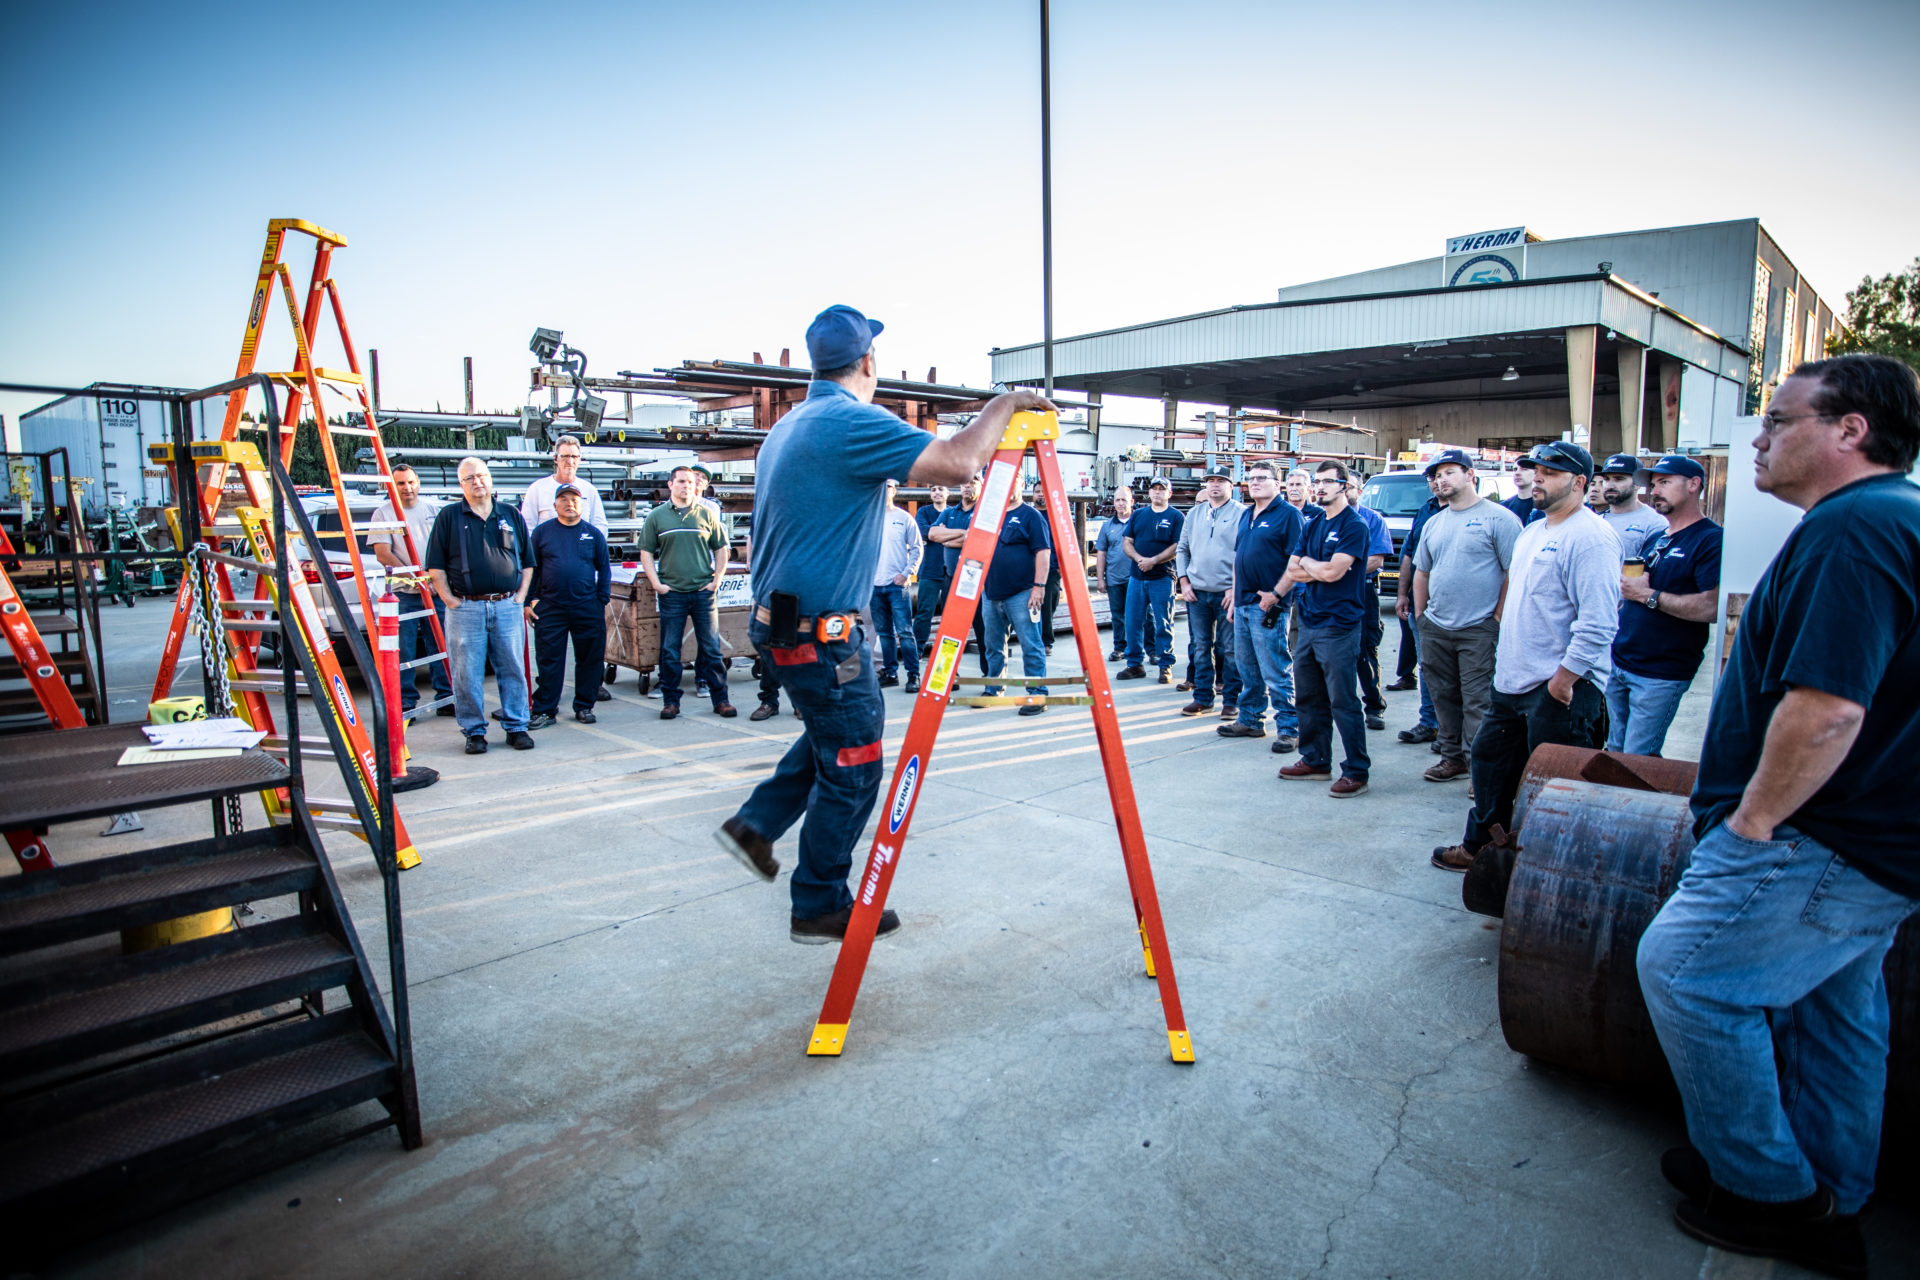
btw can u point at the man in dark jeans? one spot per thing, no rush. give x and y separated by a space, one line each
1372 629
683 551
572 583
1555 654
932 589
1332 569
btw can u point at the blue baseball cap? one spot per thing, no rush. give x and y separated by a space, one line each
838 336
1559 455
1450 457
1678 464
1621 464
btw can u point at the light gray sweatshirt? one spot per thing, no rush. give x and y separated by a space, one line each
1207 542
1563 604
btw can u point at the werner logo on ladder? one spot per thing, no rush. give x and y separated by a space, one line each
1037 431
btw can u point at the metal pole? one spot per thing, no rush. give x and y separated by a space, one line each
373 358
466 364
1046 197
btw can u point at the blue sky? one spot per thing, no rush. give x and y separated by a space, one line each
670 182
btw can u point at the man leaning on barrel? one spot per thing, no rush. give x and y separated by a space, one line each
821 482
1763 971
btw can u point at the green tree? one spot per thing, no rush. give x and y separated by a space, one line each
1884 316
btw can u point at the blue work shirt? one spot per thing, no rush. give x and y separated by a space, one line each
1023 536
1153 532
1524 509
1267 541
1112 533
1660 646
821 486
570 568
1428 510
933 565
1838 610
1379 537
1336 604
953 518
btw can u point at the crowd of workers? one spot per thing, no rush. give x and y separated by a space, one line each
1572 612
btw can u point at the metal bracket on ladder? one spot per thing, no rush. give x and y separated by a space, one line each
1037 431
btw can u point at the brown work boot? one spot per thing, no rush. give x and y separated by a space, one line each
1347 787
1196 708
1304 772
754 850
1452 857
1446 770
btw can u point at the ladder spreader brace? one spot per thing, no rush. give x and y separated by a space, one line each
1037 431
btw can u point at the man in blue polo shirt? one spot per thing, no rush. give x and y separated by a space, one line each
1372 629
932 588
1666 610
1331 567
1152 541
1015 590
821 480
947 533
1521 503
1269 539
1762 972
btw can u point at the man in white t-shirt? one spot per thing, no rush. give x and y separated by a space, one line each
536 508
390 549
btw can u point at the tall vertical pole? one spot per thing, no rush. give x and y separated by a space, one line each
373 359
466 369
1046 196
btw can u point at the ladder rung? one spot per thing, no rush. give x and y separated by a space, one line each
417 613
421 662
1021 700
329 804
1011 679
428 708
248 624
346 376
246 606
278 742
253 684
338 430
328 820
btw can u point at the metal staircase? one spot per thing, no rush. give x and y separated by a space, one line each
132 1082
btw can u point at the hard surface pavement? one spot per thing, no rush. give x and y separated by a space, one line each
610 1026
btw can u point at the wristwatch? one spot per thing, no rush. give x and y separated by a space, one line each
1653 601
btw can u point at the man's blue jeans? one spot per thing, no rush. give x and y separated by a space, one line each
1427 715
677 608
1213 644
832 774
1012 612
1762 975
1640 710
1150 622
893 619
1327 675
1265 669
416 641
477 631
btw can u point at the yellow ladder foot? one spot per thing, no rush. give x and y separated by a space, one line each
829 1038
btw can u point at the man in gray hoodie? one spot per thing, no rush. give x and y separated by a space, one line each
1555 654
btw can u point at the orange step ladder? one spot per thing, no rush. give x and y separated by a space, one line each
49 686
1037 431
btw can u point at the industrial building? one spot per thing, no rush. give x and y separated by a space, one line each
1650 340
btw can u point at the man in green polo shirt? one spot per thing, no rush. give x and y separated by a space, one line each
684 550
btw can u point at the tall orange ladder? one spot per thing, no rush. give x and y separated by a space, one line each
1037 431
232 627
303 385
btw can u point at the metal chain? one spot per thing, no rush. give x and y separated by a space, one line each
204 619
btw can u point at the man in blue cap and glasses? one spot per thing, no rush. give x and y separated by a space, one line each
821 492
1669 598
1555 654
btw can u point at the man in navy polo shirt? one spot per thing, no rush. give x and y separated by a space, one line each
1152 542
1665 611
1015 590
1372 629
1762 972
1269 539
821 480
948 532
1331 567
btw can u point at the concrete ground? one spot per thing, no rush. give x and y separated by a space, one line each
610 1026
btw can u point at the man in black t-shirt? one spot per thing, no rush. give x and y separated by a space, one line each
1762 972
1669 597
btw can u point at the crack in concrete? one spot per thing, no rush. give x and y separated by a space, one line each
1399 1122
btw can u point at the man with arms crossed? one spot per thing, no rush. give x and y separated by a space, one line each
821 476
1331 567
1268 539
390 549
1763 971
1152 541
1113 571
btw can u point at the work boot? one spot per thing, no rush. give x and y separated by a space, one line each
1304 772
754 850
724 710
1347 786
1375 723
1809 1232
520 740
833 928
1196 708
1452 857
912 685
543 720
1185 686
586 717
1405 684
889 682
476 744
1034 709
1132 673
1238 730
1284 745
1419 733
669 713
602 695
1229 712
1447 770
765 711
1166 675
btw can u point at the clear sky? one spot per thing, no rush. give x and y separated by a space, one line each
667 182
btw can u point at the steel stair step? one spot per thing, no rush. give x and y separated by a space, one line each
105 1135
94 1007
109 894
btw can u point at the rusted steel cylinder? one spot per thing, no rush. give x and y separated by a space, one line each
1608 768
1595 864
